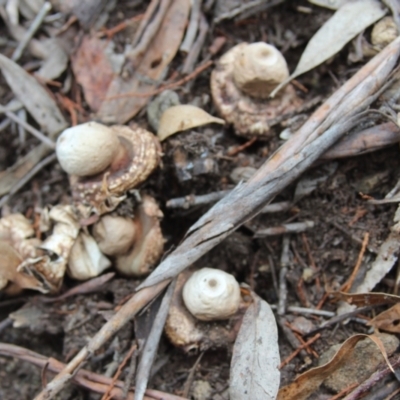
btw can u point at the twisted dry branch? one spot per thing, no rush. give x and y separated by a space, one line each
324 128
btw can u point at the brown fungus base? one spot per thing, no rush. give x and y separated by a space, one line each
249 116
103 192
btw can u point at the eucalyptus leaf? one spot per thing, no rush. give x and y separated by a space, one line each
347 22
33 96
255 361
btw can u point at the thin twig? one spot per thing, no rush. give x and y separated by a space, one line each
150 347
26 178
189 380
349 283
294 227
192 27
324 128
148 35
87 379
284 264
125 314
132 350
193 200
171 85
28 127
368 384
44 10
148 15
195 50
244 7
297 351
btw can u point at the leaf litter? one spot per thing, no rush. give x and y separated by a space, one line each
124 81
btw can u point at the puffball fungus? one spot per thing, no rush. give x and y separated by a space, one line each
258 69
87 149
243 79
211 294
105 162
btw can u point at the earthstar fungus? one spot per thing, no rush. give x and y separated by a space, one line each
242 82
211 294
135 243
105 162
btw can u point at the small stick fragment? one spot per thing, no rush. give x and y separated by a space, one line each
372 381
149 350
148 34
325 127
193 200
26 178
44 10
189 380
295 227
120 27
90 286
347 285
285 261
107 395
171 85
194 52
192 27
344 391
297 351
28 127
86 379
244 146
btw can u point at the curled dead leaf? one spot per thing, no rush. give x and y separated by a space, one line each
307 383
388 320
185 116
9 262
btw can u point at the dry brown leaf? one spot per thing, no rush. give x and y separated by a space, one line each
347 22
185 116
388 320
9 261
366 299
255 360
119 104
91 56
307 383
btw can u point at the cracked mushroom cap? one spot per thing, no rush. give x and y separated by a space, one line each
241 83
149 242
106 162
211 294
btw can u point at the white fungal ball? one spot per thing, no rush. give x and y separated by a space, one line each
86 149
114 235
211 294
259 68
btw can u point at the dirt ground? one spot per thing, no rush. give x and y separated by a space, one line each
340 214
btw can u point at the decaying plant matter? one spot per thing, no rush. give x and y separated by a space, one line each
326 126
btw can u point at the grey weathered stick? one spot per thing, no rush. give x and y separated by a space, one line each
325 127
150 348
192 27
284 264
50 143
31 31
321 130
294 227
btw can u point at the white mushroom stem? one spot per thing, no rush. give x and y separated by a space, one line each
258 69
211 294
88 149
